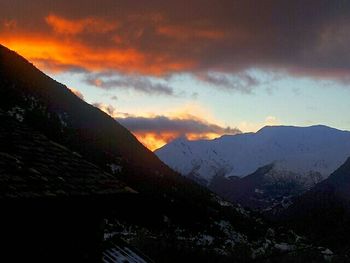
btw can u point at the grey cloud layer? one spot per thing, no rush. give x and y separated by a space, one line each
242 82
161 124
137 83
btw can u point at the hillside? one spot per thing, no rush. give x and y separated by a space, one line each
51 108
323 213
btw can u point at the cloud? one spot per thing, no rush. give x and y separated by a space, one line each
64 54
159 37
107 108
72 27
271 121
182 126
77 93
246 126
156 131
243 82
137 83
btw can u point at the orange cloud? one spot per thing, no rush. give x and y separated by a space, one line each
154 141
57 54
90 25
74 43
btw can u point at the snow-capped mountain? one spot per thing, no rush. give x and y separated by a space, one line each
309 153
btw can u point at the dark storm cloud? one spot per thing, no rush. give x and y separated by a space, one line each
164 37
163 124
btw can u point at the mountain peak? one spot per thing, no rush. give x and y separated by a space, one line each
293 128
317 148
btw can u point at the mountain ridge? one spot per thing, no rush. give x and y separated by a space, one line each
298 157
270 144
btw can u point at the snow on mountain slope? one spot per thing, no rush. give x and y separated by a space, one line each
301 150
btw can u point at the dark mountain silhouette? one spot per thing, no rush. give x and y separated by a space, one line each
51 108
263 190
323 213
68 117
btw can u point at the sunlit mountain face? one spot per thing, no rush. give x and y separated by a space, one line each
197 69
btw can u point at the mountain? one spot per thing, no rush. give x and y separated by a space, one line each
323 212
41 103
296 157
264 190
51 108
298 149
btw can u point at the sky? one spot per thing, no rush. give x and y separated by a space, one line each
194 68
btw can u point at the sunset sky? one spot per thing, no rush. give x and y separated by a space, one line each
192 68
